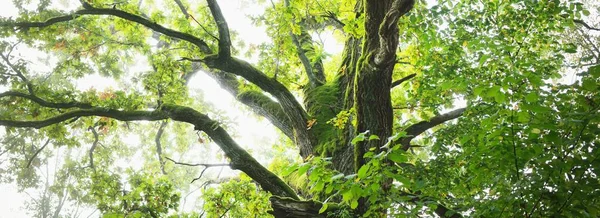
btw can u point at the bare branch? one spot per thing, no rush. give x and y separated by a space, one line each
586 25
420 127
159 133
206 166
400 81
94 144
224 40
37 152
198 164
45 103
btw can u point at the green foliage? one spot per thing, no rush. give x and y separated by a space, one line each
236 198
145 197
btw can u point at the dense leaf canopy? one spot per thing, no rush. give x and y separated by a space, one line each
398 108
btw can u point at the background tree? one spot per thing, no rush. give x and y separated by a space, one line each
376 127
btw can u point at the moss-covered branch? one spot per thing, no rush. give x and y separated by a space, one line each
224 38
296 114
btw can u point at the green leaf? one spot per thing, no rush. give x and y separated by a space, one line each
589 84
354 204
397 157
594 71
347 196
483 59
323 208
373 137
532 97
362 172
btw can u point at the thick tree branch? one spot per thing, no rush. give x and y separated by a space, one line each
420 127
304 44
224 38
44 103
240 159
404 79
117 13
257 101
98 111
292 108
388 31
586 25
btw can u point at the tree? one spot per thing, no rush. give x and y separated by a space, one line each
379 127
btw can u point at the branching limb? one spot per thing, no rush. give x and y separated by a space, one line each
400 81
240 159
206 166
18 73
36 153
45 103
89 10
420 127
98 111
224 38
292 108
257 101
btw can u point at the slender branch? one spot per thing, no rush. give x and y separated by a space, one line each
198 164
182 8
586 25
159 146
98 111
94 144
44 103
224 40
420 127
117 13
206 166
400 81
36 153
